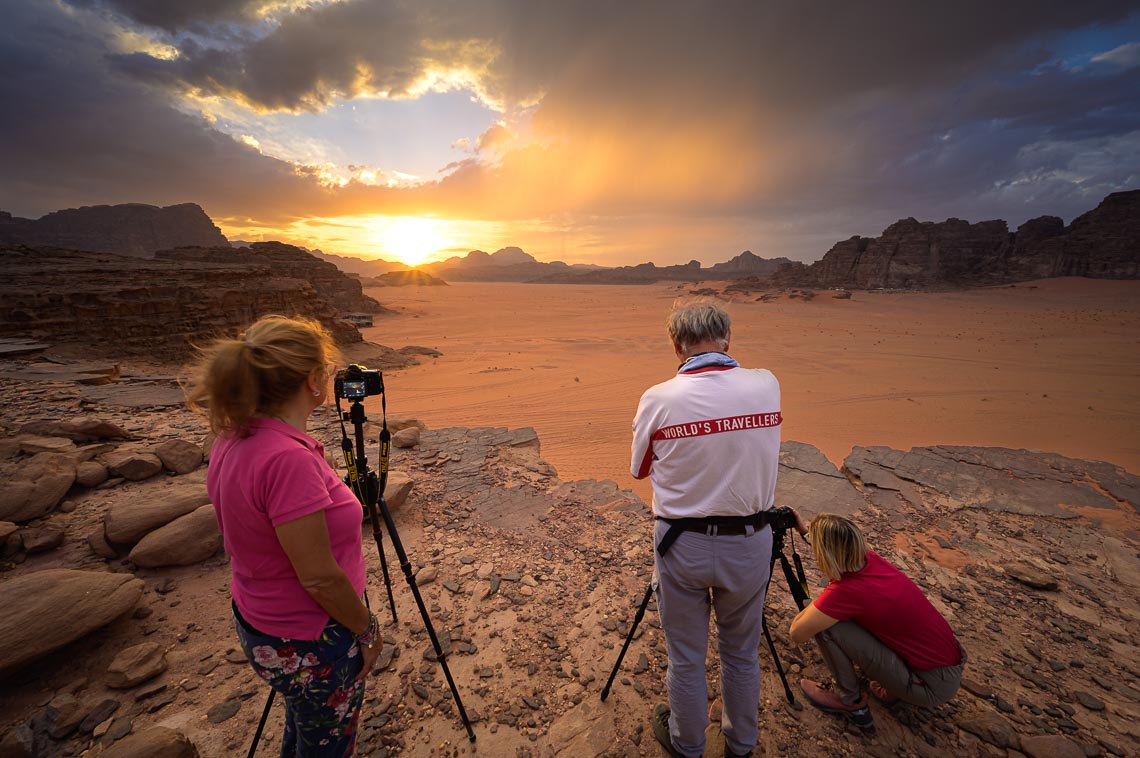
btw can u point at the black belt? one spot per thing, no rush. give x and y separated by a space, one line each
711 525
245 624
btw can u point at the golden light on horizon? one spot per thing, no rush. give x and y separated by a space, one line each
411 240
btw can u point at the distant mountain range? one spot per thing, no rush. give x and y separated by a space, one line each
1103 243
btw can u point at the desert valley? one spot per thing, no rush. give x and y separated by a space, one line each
984 436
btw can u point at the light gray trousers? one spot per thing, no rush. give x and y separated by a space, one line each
847 642
736 569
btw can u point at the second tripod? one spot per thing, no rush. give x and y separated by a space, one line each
779 520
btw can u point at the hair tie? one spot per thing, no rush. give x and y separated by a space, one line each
249 343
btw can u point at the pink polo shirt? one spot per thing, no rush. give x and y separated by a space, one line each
275 475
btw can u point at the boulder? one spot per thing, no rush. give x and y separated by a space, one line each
186 540
1050 746
129 521
62 715
35 487
399 423
179 456
32 444
90 474
19 742
7 528
97 539
42 539
992 728
79 430
135 665
134 465
406 438
397 488
46 610
155 740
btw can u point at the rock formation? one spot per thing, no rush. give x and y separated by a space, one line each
288 262
415 277
45 610
131 229
161 307
532 583
746 264
1103 244
508 264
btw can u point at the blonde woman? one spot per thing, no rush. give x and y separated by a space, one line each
872 615
291 529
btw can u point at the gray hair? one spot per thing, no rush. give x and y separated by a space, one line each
693 322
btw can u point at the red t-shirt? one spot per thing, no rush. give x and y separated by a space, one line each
275 475
882 600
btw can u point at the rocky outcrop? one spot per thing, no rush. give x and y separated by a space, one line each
414 277
185 541
161 307
330 284
747 264
508 264
1102 244
45 610
130 229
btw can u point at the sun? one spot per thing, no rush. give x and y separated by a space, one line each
411 240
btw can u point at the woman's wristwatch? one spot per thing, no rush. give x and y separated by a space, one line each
371 634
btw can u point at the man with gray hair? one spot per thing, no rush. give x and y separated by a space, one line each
709 439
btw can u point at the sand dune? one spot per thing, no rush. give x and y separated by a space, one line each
1050 365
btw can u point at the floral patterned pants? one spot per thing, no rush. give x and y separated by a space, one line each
318 681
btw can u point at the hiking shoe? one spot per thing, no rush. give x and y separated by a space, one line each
660 723
881 694
826 700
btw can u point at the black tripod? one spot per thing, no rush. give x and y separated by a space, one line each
371 494
797 584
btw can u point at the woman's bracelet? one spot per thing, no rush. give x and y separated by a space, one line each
368 638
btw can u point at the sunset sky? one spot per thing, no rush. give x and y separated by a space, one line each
584 131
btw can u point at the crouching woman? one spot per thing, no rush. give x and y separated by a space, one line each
872 615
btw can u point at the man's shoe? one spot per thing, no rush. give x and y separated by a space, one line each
826 700
660 722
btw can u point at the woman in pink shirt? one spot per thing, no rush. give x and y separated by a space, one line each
873 615
291 529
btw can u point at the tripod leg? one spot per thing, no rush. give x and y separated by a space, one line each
261 724
776 659
406 566
628 638
378 536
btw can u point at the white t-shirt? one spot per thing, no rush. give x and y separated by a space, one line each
709 440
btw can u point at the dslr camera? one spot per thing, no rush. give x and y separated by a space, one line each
782 519
357 383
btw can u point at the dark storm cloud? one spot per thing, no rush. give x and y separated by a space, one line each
795 114
175 15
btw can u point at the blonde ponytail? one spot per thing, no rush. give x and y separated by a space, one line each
236 379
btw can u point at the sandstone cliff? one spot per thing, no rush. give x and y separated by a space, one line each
130 229
1103 244
116 305
331 285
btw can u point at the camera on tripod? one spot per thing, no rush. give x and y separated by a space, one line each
357 382
782 519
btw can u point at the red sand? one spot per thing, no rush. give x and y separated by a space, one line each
1051 365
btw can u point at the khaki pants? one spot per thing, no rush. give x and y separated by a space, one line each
735 568
847 643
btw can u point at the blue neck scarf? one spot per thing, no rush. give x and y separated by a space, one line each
706 360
